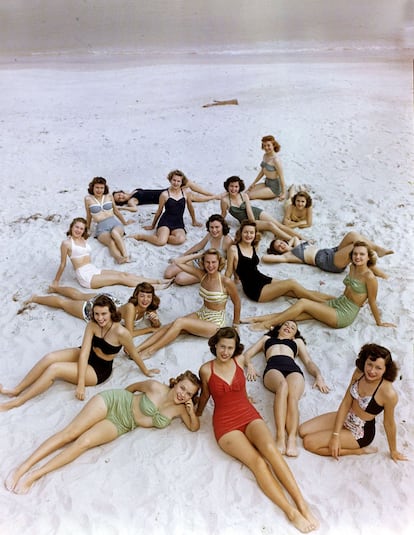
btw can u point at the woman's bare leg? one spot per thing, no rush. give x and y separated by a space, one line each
279 229
160 237
291 288
93 412
106 239
110 277
117 234
243 448
261 191
177 237
74 308
276 383
296 386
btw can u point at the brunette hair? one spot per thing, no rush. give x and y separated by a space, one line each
374 352
220 219
98 180
184 179
302 194
221 260
247 223
147 288
78 220
274 331
231 179
271 249
276 146
119 203
372 257
192 377
226 332
105 301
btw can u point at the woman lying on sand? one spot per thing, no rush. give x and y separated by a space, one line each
241 432
243 260
143 304
131 200
361 285
78 250
215 289
351 430
88 365
238 205
172 203
102 210
284 378
108 415
298 209
271 170
217 237
333 260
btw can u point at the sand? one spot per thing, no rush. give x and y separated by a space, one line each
345 127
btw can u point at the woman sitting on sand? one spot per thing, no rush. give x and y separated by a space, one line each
108 415
143 304
238 205
215 289
102 210
241 432
88 365
284 378
172 203
78 250
217 237
131 200
298 209
351 429
243 260
333 260
271 170
361 285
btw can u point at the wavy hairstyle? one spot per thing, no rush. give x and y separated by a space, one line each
105 301
247 223
232 179
274 331
98 180
374 352
221 260
78 220
192 377
220 219
146 288
226 332
372 257
276 146
304 194
184 179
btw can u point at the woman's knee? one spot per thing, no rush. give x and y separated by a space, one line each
308 442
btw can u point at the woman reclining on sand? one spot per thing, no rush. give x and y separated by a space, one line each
108 415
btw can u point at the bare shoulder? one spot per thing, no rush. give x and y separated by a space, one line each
205 370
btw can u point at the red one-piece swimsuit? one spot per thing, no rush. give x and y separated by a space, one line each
232 409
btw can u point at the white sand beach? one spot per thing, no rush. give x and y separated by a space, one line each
344 122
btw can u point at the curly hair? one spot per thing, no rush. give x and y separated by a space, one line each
146 288
220 219
105 301
192 377
221 260
276 146
374 352
226 332
78 220
304 194
247 223
184 179
274 331
232 179
98 180
372 257
119 203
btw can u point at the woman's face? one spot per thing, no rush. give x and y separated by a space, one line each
211 263
101 315
248 234
360 255
98 189
120 196
184 390
300 202
176 181
234 187
78 229
225 349
268 146
288 329
374 369
216 229
144 299
280 246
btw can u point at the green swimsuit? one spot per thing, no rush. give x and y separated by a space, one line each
119 405
347 310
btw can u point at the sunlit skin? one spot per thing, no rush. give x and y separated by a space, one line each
288 390
91 428
259 190
254 446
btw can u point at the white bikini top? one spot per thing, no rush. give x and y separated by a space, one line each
78 251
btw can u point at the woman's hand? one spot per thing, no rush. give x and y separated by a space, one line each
251 373
334 446
148 227
189 407
397 456
152 372
80 393
320 384
385 324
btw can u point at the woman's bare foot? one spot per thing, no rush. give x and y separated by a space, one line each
8 391
134 236
27 305
301 522
291 448
146 354
122 259
23 486
381 251
11 480
369 449
281 444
